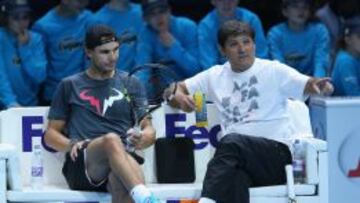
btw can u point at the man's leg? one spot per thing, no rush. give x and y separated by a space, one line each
117 188
118 191
221 171
253 161
107 154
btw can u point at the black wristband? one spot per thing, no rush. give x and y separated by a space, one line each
85 144
172 95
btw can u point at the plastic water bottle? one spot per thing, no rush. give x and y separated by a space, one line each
37 167
299 161
200 109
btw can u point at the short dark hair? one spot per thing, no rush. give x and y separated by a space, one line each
149 7
99 34
233 28
286 3
13 7
352 25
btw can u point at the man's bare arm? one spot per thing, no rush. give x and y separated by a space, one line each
178 97
54 138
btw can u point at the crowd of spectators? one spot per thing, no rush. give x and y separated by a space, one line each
41 42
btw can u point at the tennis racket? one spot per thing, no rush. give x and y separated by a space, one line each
154 78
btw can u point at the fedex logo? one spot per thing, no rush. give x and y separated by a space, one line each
176 125
32 126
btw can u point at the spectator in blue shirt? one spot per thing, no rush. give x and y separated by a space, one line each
298 42
7 97
22 57
346 73
333 15
168 39
225 10
63 30
126 20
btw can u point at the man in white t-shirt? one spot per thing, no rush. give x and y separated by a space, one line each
251 95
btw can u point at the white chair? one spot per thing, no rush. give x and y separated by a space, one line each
18 125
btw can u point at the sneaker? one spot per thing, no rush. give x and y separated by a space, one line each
151 199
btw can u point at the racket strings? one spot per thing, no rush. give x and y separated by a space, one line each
155 78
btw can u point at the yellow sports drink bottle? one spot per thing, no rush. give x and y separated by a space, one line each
200 109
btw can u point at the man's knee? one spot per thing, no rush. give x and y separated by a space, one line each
241 141
234 145
234 137
112 142
230 142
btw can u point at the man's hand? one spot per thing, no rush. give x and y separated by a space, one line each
319 86
23 37
166 38
180 97
186 102
74 147
134 137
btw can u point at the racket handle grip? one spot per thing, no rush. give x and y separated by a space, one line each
130 147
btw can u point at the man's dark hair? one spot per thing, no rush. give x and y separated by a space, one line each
98 35
286 3
352 25
13 7
311 6
233 28
345 8
150 7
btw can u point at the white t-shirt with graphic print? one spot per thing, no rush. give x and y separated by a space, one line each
253 102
